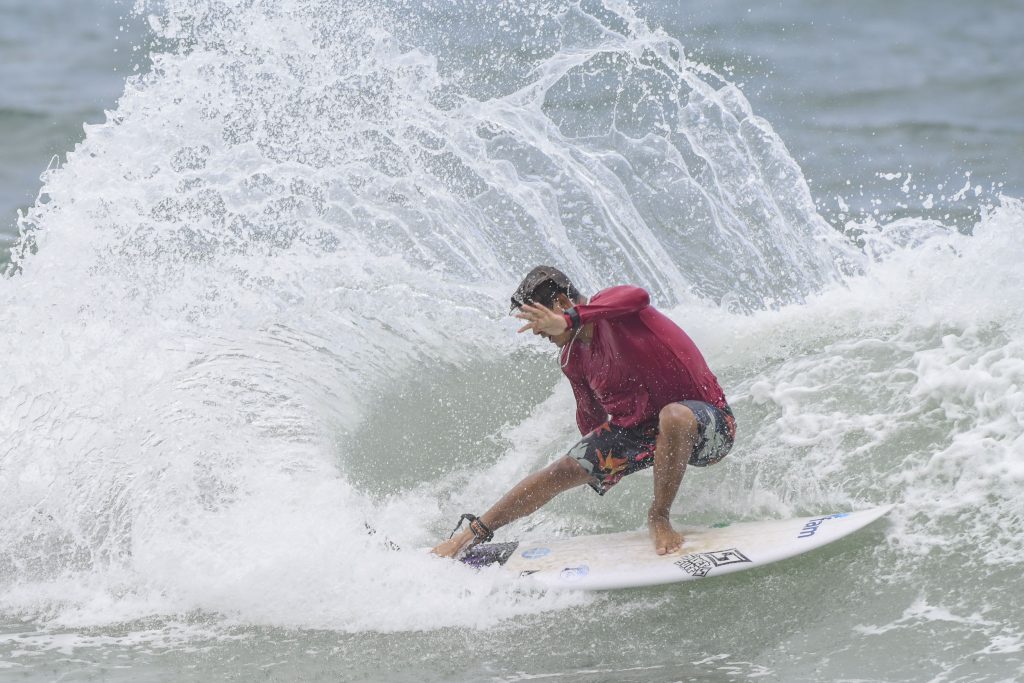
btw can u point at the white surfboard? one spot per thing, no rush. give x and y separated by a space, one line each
628 560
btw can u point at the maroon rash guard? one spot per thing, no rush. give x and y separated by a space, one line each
637 362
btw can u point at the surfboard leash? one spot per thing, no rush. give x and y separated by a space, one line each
481 534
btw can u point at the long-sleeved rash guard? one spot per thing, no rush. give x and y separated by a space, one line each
637 362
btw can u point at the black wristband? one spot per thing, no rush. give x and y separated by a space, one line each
574 316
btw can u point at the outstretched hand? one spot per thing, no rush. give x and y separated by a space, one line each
542 320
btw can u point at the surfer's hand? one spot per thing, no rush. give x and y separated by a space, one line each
542 320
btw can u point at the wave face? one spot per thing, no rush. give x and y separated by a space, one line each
262 307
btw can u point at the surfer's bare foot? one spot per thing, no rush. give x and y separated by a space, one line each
666 539
452 546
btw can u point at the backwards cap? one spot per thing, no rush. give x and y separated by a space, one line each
556 281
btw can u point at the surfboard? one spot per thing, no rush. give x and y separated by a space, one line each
628 560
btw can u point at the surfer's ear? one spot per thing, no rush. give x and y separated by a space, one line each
563 302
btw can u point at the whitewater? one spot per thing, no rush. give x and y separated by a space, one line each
263 307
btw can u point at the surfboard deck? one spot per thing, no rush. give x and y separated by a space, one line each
627 559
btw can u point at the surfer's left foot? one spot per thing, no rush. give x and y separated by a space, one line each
666 539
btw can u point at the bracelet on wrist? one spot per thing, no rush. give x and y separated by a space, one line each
573 318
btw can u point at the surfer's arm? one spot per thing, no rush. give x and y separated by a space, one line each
589 413
609 303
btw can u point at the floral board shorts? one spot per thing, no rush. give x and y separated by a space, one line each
609 452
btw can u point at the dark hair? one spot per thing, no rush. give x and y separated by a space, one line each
542 285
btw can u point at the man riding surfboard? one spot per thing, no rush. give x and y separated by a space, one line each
644 397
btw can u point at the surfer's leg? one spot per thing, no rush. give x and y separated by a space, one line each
535 491
523 499
677 434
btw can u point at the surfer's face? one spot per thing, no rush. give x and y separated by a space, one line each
559 306
559 340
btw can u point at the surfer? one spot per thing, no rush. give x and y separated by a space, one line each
644 397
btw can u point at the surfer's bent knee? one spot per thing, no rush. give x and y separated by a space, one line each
677 418
715 432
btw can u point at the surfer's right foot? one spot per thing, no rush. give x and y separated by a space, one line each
477 531
454 545
666 539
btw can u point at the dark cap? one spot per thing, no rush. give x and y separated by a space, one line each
541 285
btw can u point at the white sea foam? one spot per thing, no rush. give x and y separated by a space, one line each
291 213
300 210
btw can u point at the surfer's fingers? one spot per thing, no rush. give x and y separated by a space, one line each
535 311
532 316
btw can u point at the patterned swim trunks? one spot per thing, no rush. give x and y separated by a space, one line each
609 452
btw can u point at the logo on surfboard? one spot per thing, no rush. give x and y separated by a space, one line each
574 573
812 525
699 564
